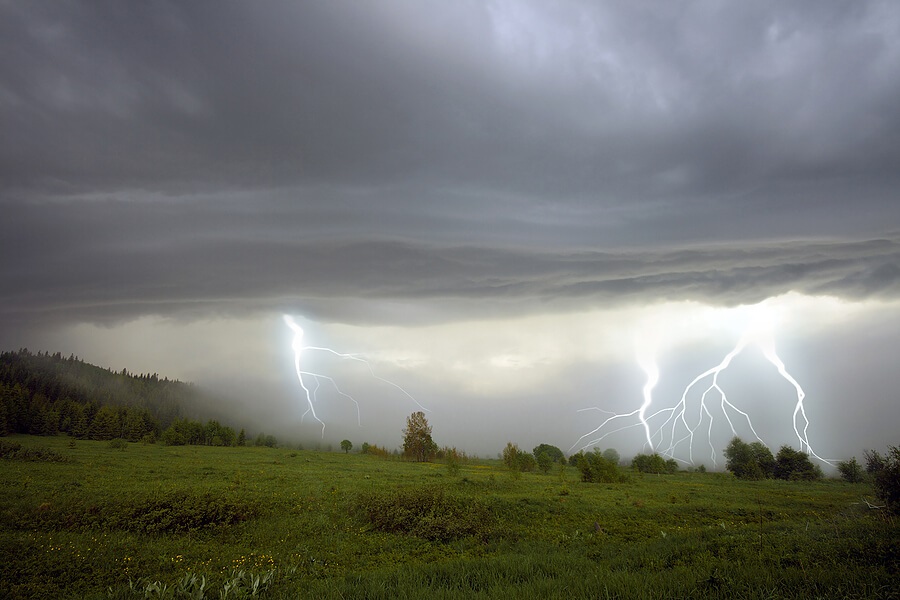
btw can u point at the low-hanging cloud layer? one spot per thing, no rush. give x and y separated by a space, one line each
429 163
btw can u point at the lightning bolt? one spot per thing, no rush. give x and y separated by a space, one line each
681 423
299 348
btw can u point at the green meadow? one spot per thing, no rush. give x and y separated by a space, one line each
84 519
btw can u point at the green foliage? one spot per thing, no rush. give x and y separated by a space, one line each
755 461
375 450
15 451
426 512
544 462
741 459
612 455
177 512
885 471
554 453
417 442
595 468
851 471
453 458
239 585
794 465
267 441
527 462
65 532
46 394
763 457
346 446
517 460
118 444
511 456
652 463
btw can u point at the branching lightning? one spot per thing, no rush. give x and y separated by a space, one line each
310 390
679 425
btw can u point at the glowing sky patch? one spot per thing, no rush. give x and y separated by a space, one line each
673 429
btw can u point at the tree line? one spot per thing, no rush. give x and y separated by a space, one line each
48 394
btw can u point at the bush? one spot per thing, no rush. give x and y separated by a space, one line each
544 462
118 444
597 469
886 476
426 512
850 470
518 461
750 461
15 451
651 463
794 465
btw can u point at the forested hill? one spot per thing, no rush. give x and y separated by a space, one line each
45 394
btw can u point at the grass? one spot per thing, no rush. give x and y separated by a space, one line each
159 521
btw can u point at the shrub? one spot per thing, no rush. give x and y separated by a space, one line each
544 462
118 444
178 512
516 460
850 470
886 476
426 512
750 461
597 469
794 465
15 451
651 463
453 458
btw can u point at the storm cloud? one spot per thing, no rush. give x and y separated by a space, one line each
428 163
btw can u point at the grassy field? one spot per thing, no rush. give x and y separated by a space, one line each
157 521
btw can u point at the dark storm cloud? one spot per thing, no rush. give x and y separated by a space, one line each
166 157
578 103
114 261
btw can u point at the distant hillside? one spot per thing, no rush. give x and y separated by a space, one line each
45 394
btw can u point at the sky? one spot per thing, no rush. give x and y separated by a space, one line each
514 211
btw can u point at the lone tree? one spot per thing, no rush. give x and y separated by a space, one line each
346 446
417 442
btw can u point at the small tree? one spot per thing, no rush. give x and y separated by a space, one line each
850 470
763 457
417 442
612 455
346 446
553 452
740 459
795 465
453 457
511 456
544 462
